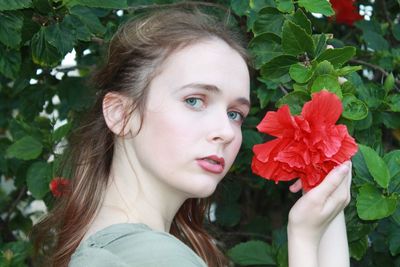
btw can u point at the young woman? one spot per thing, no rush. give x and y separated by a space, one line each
165 129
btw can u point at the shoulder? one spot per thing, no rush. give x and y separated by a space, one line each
95 257
135 245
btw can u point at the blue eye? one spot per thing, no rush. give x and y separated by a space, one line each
195 102
236 116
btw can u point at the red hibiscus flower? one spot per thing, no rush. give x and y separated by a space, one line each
59 186
307 146
345 11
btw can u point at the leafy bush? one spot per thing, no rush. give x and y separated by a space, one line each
289 42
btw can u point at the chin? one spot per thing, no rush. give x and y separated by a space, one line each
203 191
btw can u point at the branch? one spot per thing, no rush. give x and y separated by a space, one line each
13 205
283 89
375 67
385 11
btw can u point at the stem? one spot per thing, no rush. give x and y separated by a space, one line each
385 11
13 205
372 66
283 89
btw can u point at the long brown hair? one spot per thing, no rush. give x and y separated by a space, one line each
135 54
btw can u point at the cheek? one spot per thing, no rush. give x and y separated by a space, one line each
235 145
168 132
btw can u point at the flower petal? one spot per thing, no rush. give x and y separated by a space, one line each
279 123
324 108
272 170
347 149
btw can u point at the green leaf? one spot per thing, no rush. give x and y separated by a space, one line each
295 40
43 6
285 6
114 4
375 41
300 87
358 248
295 100
391 120
277 67
392 160
10 62
348 88
353 108
81 31
10 30
394 102
324 67
394 240
265 47
396 31
74 94
88 18
369 25
61 132
372 205
300 19
61 37
372 94
364 123
252 253
347 70
268 20
239 7
14 4
376 166
320 44
251 138
38 179
327 82
389 82
337 56
43 53
25 148
228 214
300 73
320 6
264 96
361 170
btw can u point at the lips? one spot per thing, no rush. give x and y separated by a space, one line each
213 164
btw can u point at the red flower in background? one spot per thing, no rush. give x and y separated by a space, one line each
59 186
345 11
307 146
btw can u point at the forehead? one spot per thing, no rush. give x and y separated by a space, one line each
209 62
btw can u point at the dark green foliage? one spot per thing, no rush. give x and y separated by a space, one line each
292 61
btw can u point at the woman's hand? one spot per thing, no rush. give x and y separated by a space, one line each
313 212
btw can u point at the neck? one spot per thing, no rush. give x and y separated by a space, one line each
134 196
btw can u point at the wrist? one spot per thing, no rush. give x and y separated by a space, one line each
306 236
302 248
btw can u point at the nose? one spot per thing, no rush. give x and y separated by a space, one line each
222 129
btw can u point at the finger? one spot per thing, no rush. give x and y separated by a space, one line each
340 197
296 187
332 181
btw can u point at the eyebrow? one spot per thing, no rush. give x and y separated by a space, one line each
215 90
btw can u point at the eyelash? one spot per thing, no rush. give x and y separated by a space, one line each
242 116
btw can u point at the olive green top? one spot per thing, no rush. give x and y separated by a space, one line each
133 244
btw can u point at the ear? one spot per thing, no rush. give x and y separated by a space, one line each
115 112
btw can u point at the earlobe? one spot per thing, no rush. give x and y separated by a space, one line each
115 112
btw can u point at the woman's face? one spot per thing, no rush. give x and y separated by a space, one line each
191 131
